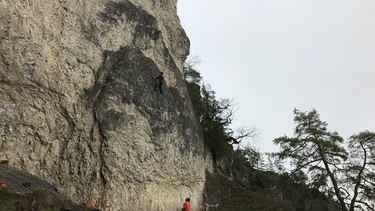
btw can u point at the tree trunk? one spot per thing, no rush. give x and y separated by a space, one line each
333 180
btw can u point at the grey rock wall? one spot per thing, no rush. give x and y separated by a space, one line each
77 105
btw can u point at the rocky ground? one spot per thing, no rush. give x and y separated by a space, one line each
21 182
26 192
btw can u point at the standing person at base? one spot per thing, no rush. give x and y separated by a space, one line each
186 206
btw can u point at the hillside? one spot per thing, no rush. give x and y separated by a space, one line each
263 191
26 192
257 191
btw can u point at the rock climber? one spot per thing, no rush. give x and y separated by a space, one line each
186 205
159 82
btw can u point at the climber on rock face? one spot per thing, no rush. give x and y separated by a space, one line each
159 82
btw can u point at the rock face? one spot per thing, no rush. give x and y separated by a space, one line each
77 105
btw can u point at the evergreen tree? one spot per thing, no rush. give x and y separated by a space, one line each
315 150
319 157
215 115
359 173
215 124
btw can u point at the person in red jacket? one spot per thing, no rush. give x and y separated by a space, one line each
92 207
186 205
2 184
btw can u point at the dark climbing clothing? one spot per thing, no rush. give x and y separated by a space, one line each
159 83
160 77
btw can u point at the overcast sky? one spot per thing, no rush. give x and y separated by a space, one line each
271 56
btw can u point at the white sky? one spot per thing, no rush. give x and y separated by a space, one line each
271 56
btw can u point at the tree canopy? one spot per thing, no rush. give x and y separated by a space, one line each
215 115
320 158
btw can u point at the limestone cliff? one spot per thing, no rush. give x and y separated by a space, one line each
77 105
